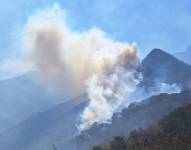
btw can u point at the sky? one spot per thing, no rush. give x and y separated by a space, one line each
151 24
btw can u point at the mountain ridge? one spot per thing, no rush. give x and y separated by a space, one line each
160 66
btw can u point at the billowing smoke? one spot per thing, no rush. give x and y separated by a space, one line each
108 90
75 62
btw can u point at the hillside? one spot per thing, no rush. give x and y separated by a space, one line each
45 125
41 131
58 125
137 115
173 132
22 97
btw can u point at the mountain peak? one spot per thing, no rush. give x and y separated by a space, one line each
160 66
156 52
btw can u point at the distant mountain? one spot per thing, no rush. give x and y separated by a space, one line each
161 67
22 97
184 56
137 115
40 132
174 128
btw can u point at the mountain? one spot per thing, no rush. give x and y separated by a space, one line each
137 115
161 67
54 126
174 128
38 125
22 97
184 56
58 124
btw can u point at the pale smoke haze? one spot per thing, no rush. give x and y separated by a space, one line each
74 62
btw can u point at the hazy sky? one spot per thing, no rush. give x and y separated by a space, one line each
163 24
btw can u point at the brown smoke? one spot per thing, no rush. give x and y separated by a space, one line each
75 63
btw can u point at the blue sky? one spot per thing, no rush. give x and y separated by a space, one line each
163 24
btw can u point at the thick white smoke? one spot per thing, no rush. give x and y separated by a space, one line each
108 90
75 63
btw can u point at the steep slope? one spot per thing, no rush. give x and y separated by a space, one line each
184 56
174 128
22 97
55 126
136 116
161 67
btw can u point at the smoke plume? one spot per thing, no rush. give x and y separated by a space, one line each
77 62
142 93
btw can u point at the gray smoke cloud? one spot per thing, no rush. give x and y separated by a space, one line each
77 62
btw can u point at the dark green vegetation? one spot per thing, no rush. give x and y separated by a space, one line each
137 115
173 132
